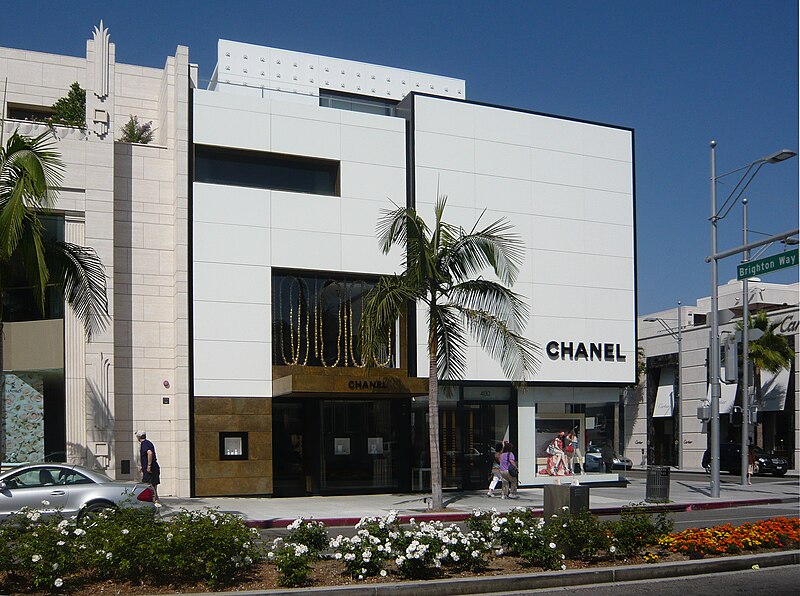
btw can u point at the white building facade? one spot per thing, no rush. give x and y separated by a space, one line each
666 428
239 249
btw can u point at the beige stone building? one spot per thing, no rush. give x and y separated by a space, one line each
129 202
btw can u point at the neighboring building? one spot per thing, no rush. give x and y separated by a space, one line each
238 250
667 430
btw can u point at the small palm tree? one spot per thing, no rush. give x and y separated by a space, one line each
31 171
442 269
770 352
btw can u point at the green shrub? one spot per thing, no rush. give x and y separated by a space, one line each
44 550
579 535
536 548
293 562
70 110
310 533
135 132
210 546
129 544
637 528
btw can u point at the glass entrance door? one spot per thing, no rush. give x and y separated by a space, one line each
484 426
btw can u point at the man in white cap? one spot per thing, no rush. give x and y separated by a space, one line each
148 464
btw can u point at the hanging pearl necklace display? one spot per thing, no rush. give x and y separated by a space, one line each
299 313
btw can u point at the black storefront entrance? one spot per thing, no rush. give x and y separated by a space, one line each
340 446
343 445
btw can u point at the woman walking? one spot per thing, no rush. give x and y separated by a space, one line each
509 471
494 474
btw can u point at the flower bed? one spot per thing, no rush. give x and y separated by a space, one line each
131 552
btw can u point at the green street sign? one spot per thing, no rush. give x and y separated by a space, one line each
767 264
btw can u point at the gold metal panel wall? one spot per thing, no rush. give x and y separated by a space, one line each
216 477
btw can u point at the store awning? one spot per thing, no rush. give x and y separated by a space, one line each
727 395
773 390
665 396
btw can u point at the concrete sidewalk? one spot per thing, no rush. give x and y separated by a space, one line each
686 493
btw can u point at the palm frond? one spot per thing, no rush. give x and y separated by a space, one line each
491 247
383 305
85 287
32 250
517 355
493 298
30 174
444 321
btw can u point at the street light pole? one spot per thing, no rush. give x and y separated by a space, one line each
680 386
713 360
745 462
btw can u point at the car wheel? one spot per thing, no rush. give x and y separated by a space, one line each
90 513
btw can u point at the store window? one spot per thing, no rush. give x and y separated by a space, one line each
19 300
316 319
233 445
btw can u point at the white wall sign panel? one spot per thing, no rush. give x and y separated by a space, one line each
541 172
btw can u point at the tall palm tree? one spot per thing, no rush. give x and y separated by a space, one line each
442 269
31 172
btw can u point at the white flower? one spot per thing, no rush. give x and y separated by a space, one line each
552 545
360 577
337 556
58 583
383 572
36 558
125 531
563 566
60 543
270 555
108 556
169 535
55 566
45 503
613 549
79 531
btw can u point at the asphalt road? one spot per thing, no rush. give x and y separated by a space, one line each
774 581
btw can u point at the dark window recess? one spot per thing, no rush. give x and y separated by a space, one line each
233 445
34 113
19 299
358 103
255 169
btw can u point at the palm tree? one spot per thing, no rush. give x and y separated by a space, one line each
770 352
31 171
442 269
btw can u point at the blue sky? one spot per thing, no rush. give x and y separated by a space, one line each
681 73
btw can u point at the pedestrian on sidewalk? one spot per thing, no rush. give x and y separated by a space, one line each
148 464
607 455
494 475
509 471
751 462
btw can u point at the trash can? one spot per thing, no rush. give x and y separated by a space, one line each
575 498
657 490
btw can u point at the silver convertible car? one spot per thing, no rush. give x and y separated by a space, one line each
68 489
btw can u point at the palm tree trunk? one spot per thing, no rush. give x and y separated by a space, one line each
433 425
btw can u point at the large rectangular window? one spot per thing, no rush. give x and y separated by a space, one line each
315 319
19 299
258 169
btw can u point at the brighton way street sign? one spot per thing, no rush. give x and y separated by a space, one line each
767 264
